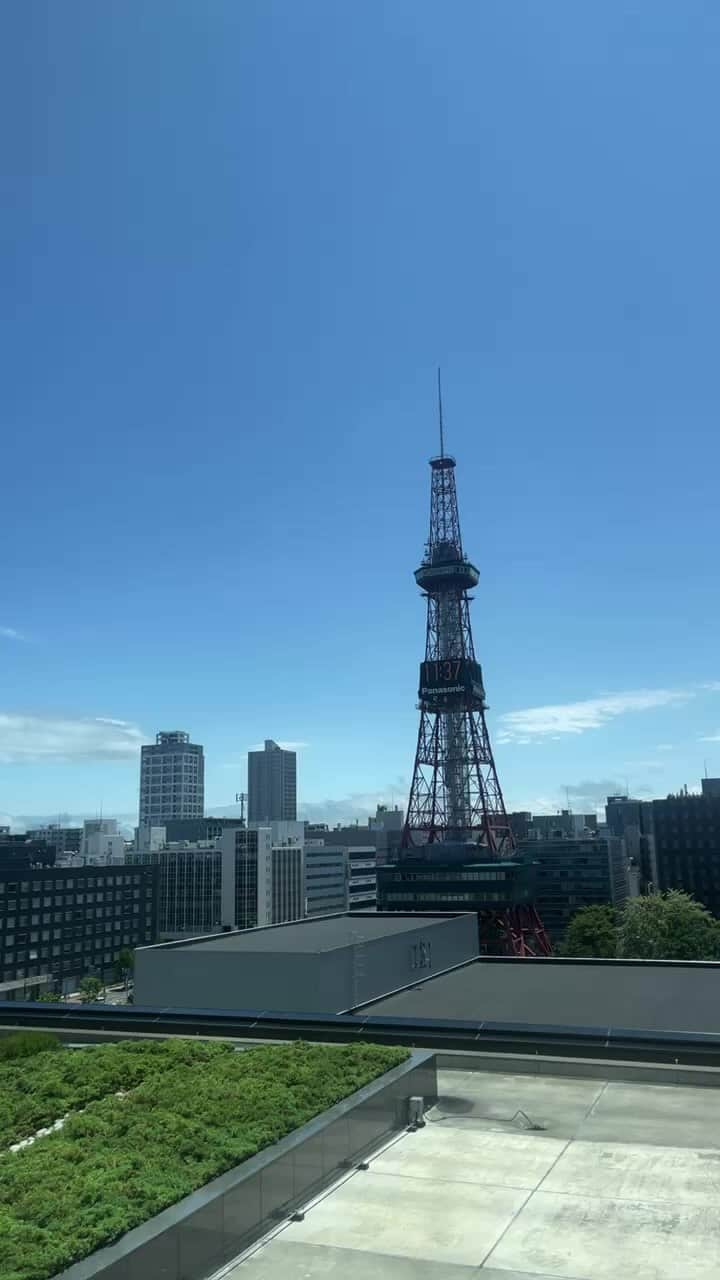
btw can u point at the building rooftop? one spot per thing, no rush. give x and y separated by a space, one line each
613 1180
648 996
325 933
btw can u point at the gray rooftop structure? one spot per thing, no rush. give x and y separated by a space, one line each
324 964
322 933
660 995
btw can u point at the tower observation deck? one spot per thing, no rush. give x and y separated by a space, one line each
458 850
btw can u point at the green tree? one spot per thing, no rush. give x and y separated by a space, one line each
668 926
592 932
90 989
50 997
124 965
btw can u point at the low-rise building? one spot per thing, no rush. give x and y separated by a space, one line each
328 964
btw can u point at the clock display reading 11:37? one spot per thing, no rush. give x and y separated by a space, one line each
445 671
450 678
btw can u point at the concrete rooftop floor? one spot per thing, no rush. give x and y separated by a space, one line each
623 1180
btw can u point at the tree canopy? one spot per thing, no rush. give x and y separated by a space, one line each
668 926
90 989
592 932
661 926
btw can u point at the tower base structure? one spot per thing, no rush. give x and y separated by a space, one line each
517 931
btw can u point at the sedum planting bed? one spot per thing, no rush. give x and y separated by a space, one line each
147 1123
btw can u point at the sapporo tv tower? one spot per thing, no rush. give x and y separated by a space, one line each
458 850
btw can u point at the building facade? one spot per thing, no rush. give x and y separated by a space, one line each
323 964
574 873
683 835
262 883
59 924
362 882
62 839
457 883
172 779
272 785
189 890
101 842
326 878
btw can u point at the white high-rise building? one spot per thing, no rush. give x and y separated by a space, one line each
262 883
172 779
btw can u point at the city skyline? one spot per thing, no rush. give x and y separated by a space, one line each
220 393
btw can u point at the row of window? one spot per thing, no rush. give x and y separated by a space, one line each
61 883
440 897
449 875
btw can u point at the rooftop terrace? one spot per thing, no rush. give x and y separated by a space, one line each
617 1180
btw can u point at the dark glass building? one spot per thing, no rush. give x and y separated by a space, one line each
457 883
684 835
576 873
59 924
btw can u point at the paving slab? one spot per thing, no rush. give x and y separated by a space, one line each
631 1172
602 1239
500 1159
451 1222
660 1115
279 1260
479 1099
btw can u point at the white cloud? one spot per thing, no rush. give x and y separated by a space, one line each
711 737
9 633
28 739
577 717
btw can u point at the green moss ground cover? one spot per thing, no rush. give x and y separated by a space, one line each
193 1111
36 1092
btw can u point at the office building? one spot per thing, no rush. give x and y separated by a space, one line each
574 873
172 779
328 964
553 826
387 819
326 878
189 890
384 840
59 924
362 881
175 830
101 842
24 851
62 839
683 834
272 785
262 883
461 882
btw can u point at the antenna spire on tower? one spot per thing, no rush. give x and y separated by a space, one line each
440 416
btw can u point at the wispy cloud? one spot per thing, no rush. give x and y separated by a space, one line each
577 717
710 737
10 633
29 739
592 793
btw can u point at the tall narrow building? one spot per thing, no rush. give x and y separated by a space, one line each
172 779
272 784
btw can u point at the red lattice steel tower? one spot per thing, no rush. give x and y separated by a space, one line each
456 813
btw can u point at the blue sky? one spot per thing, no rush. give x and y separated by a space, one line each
238 239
